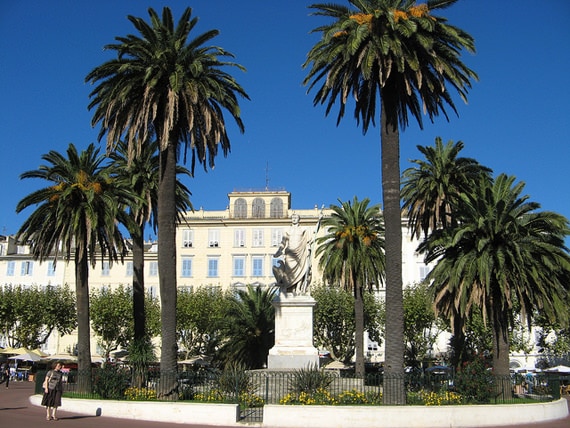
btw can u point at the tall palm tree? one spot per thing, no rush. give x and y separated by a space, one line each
502 254
351 254
430 191
250 327
432 187
405 56
140 175
76 216
165 85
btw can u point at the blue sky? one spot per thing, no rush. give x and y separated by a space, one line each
516 122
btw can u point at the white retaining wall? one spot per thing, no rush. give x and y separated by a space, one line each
159 411
275 416
280 416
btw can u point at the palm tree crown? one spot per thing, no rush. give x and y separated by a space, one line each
79 210
164 83
435 184
391 48
250 327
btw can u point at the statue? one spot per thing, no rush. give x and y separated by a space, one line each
293 271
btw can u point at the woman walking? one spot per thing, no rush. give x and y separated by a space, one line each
53 388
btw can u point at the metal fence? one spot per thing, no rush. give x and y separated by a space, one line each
255 388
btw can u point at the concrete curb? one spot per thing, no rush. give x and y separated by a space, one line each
280 416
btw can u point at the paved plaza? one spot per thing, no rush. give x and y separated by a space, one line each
17 412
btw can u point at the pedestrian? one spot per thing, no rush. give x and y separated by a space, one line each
5 374
53 388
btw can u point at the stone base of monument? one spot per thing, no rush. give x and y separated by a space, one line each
293 333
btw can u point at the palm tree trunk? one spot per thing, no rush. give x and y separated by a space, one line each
458 342
138 284
359 330
166 219
84 384
394 391
501 354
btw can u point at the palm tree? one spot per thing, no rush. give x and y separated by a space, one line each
250 327
502 255
165 85
351 254
76 216
140 175
430 192
404 55
434 185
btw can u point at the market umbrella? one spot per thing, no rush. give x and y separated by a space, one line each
559 369
39 352
8 350
30 356
197 360
61 357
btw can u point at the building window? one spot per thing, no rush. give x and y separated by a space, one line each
51 268
129 268
187 238
213 238
258 208
239 266
105 269
257 266
424 271
276 208
10 268
258 237
153 269
275 261
213 267
240 208
276 237
186 267
239 238
152 291
27 268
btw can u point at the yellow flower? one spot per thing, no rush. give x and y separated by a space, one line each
362 18
419 11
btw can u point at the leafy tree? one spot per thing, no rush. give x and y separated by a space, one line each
199 320
76 216
249 329
165 85
503 251
334 320
112 318
139 174
352 256
431 189
29 315
553 339
403 55
421 327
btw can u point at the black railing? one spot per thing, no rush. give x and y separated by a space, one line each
255 388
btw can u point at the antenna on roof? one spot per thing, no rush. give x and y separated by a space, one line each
266 175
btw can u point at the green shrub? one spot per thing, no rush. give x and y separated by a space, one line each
474 382
234 380
309 380
111 382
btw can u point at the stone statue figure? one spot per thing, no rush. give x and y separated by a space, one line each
293 271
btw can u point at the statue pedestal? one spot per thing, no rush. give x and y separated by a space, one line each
293 333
